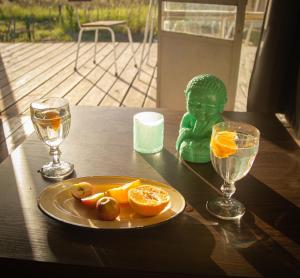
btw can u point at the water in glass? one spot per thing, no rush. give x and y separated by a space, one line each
52 126
52 119
237 165
233 149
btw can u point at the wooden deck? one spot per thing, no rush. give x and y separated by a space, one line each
30 71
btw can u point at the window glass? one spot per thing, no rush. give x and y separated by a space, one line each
217 21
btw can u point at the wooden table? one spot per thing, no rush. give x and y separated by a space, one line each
265 242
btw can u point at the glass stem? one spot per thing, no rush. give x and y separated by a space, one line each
228 190
55 153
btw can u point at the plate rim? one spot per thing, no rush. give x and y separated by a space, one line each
68 222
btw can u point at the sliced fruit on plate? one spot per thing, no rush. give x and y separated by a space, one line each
121 193
81 190
91 201
148 200
108 208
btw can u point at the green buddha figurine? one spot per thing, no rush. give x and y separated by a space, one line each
205 97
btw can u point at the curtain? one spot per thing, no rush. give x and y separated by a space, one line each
275 81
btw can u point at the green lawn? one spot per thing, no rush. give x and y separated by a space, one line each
36 23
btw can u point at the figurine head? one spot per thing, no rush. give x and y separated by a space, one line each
206 96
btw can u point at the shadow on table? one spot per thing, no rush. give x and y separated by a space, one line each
180 246
258 248
197 183
259 198
14 225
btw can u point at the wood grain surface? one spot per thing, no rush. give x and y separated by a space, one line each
265 242
30 71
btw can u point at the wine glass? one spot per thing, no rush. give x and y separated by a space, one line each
51 118
233 148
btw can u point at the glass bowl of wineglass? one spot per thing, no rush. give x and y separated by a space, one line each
51 118
233 148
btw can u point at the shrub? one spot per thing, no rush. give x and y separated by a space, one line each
48 24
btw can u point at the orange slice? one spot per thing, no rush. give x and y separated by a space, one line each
121 193
223 144
148 200
54 118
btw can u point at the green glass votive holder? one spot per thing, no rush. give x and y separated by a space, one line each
148 132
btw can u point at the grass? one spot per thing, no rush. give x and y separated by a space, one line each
36 23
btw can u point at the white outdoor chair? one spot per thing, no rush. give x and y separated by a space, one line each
102 25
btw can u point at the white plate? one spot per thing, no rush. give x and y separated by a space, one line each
57 202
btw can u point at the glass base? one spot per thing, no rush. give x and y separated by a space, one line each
225 209
57 171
